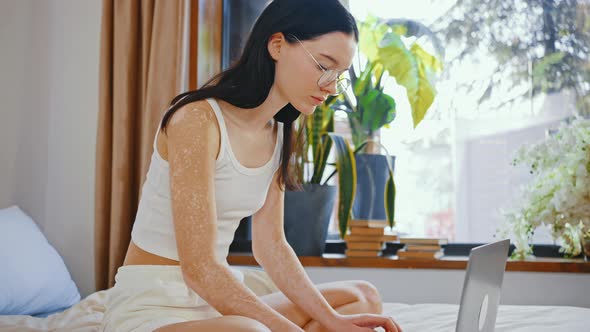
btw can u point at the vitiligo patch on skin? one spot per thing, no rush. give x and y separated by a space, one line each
277 257
193 141
192 144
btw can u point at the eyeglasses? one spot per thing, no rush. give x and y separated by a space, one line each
329 75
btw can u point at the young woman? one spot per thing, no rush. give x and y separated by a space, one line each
222 153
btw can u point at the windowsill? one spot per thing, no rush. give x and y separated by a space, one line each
561 265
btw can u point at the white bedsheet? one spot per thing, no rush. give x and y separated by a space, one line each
86 316
511 318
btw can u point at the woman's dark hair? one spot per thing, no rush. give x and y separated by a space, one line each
246 84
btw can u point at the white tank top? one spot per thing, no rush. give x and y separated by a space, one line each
239 192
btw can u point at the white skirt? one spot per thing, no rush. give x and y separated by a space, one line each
147 297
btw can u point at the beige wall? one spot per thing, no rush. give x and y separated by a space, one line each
15 38
49 101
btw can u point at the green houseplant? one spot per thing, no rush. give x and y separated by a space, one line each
312 157
307 212
370 108
388 56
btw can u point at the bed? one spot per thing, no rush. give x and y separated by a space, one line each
51 302
87 314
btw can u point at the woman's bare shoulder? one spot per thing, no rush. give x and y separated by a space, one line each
192 122
196 113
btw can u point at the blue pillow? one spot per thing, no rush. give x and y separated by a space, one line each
33 277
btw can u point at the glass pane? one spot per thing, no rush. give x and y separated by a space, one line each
521 72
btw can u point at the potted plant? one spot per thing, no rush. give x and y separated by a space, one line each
370 109
558 195
307 212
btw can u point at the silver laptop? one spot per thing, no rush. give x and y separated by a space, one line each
482 287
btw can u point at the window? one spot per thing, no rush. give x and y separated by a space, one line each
453 173
238 19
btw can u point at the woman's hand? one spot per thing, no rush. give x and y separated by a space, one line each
364 323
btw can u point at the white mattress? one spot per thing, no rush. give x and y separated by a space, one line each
86 316
511 318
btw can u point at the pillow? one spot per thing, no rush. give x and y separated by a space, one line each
33 277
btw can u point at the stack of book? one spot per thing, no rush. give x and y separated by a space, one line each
421 248
367 238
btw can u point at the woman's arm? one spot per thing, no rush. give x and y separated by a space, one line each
275 255
193 144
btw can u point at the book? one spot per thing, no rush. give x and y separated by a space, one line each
365 245
363 253
423 247
370 238
366 231
368 223
423 240
420 254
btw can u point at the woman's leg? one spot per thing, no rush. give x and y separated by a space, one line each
225 323
346 297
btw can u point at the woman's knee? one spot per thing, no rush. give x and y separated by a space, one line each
224 323
241 323
369 294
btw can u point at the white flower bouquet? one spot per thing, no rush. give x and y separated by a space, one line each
559 194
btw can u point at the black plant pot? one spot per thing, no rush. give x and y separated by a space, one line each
307 217
244 230
372 173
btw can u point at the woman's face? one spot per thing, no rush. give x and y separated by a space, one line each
297 74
